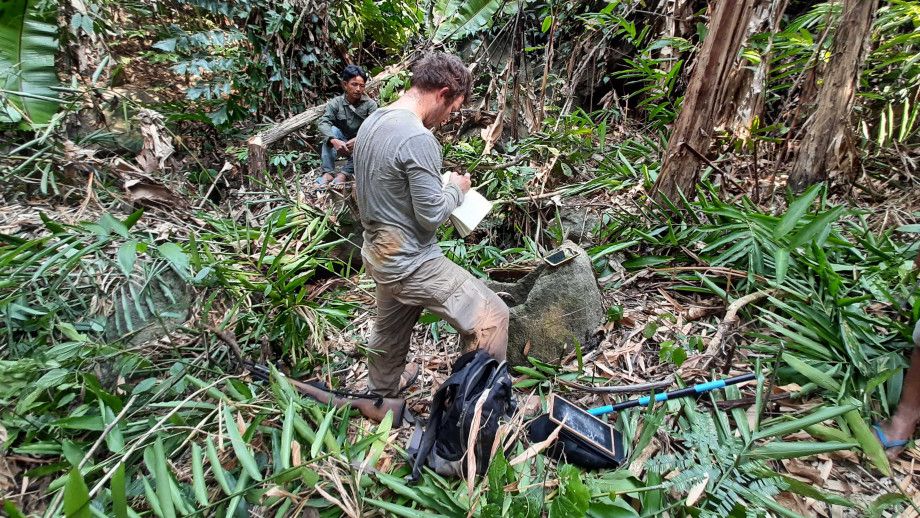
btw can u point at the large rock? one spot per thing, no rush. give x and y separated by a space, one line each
579 224
551 308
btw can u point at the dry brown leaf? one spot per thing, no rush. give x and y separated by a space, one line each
697 491
536 448
240 424
471 443
157 144
7 476
838 485
802 471
531 405
278 491
793 502
825 470
493 132
295 454
151 194
816 508
638 465
608 371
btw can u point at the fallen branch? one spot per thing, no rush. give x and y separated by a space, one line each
728 322
731 318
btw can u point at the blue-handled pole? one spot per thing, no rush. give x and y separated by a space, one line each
664 396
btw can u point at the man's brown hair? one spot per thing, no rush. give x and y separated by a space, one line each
437 70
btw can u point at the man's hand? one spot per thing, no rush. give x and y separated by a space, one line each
350 145
339 146
461 181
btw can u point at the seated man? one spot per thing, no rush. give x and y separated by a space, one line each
402 202
340 122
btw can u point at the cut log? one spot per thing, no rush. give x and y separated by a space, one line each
827 143
728 29
258 144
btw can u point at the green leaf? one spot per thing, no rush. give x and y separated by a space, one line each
119 492
646 261
401 510
886 501
573 497
321 433
76 496
910 229
287 435
176 257
198 481
827 433
499 475
133 218
377 447
790 450
801 488
794 425
114 440
28 45
10 508
547 23
216 467
161 476
654 416
416 494
237 505
109 222
782 264
527 383
868 441
796 210
607 508
71 332
528 371
814 375
240 447
127 256
816 227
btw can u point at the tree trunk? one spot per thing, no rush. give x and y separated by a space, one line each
827 145
693 129
742 99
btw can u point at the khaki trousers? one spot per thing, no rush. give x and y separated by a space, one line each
447 290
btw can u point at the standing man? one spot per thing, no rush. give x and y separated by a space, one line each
340 122
896 433
402 202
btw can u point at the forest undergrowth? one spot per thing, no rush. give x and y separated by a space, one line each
134 246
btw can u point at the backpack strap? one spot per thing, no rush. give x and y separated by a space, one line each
473 367
434 423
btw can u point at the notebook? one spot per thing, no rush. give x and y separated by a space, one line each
471 212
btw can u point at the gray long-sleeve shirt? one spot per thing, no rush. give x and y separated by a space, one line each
400 193
347 117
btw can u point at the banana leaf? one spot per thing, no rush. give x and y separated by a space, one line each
28 43
464 18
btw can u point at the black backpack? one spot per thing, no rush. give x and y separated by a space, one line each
444 442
